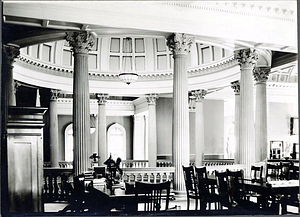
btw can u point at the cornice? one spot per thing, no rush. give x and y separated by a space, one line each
53 69
255 9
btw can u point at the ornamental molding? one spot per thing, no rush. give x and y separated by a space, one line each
49 68
102 98
236 87
199 95
251 9
151 98
80 42
246 57
180 43
11 52
261 74
54 94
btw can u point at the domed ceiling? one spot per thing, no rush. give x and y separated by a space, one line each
219 28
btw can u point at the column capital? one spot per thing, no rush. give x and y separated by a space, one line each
102 98
199 95
151 98
246 57
54 94
17 84
192 105
180 43
81 42
10 51
236 87
261 74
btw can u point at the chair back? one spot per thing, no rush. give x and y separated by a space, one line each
222 182
201 176
190 180
294 172
256 173
236 186
151 194
274 172
285 170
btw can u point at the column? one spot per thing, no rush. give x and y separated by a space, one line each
261 131
180 45
139 137
10 52
199 125
96 134
81 43
53 128
152 139
236 87
102 146
247 59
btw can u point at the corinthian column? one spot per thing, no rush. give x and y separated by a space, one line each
53 128
199 125
247 60
81 43
261 132
236 87
102 147
180 45
10 52
152 139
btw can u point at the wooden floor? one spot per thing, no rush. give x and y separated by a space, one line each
176 205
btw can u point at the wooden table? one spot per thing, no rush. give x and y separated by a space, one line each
285 188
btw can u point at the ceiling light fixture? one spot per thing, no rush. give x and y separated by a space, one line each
128 74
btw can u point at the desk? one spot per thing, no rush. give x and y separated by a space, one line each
286 188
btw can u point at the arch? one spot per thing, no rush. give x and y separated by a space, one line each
116 141
69 144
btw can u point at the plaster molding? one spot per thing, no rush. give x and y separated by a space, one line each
259 9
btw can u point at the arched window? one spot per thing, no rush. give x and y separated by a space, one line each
69 143
116 141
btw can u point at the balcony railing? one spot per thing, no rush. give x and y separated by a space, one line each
134 163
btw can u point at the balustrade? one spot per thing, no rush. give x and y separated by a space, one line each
55 181
150 174
65 164
218 162
134 163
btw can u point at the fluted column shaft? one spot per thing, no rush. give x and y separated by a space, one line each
10 53
261 131
81 43
152 138
180 45
247 59
199 126
236 86
95 145
53 129
102 146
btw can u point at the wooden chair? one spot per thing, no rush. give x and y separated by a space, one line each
256 173
207 190
274 172
223 190
285 170
151 195
294 172
191 186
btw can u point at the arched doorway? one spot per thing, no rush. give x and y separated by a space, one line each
116 141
